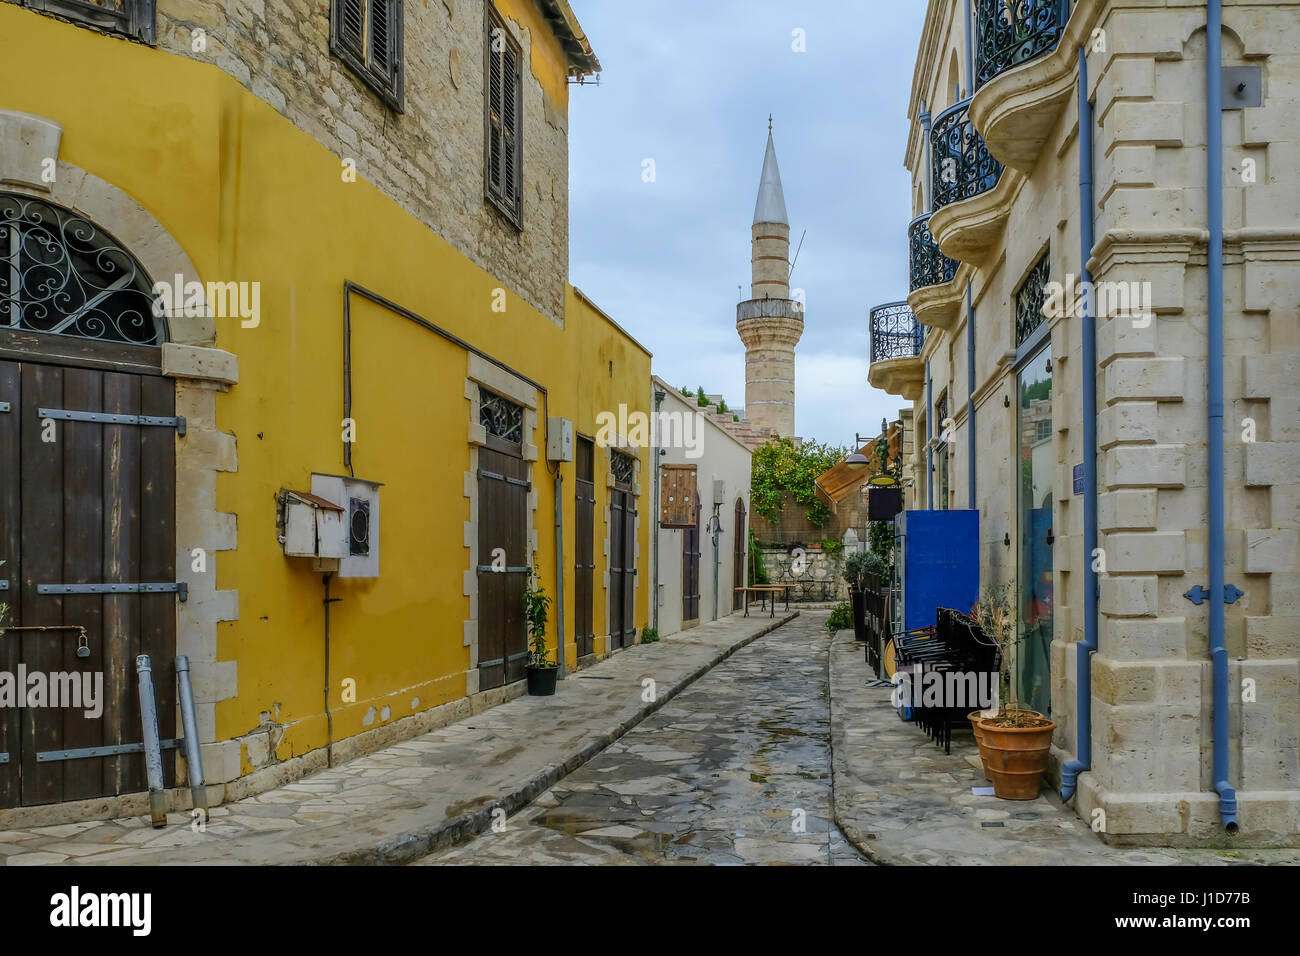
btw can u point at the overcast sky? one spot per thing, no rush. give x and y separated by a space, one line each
690 85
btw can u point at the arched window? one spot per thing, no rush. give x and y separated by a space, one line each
63 275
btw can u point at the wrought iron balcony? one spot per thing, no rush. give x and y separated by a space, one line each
926 265
895 333
896 339
961 165
1011 32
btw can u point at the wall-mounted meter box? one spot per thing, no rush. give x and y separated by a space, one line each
311 526
719 491
559 439
359 515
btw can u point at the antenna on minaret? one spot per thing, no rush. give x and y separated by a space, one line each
796 253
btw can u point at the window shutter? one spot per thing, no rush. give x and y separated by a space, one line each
510 127
350 16
677 496
495 58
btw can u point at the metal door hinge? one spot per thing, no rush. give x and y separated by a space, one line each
109 418
163 587
83 753
1199 595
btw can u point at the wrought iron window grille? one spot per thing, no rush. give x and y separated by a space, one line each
63 275
1031 296
501 417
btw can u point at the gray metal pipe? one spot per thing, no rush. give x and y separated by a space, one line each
152 746
657 452
190 727
559 572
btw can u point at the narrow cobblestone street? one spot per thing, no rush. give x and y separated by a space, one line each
734 770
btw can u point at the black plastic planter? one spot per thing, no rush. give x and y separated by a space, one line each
859 621
541 681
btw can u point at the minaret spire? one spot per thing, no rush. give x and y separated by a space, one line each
770 323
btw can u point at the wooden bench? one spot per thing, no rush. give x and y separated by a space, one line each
766 590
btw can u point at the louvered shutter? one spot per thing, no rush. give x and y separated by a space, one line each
350 15
510 127
496 55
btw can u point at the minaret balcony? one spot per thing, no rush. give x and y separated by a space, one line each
934 293
972 197
896 340
1024 74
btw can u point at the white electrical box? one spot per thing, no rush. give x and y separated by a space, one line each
719 491
358 501
312 526
559 439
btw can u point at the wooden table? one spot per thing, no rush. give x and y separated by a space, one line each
765 590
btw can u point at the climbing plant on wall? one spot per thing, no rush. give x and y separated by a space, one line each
780 468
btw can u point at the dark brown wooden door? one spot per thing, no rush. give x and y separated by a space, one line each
691 570
622 567
84 503
584 548
739 556
503 536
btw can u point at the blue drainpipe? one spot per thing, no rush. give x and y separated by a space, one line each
1085 648
1214 348
926 180
970 391
929 451
970 54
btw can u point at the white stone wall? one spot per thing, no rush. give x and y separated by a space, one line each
721 456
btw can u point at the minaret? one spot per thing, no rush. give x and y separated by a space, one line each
770 322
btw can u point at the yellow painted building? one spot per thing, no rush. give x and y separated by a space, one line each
425 319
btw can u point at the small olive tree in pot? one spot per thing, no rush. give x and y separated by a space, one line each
541 670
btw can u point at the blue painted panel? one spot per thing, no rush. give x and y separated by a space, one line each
939 552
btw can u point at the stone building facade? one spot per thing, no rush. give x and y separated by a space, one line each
414 347
1014 212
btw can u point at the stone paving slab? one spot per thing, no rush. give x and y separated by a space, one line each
421 795
902 801
735 770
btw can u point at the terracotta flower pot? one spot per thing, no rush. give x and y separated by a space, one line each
1016 758
974 717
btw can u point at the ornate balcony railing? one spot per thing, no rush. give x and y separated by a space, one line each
895 333
1011 32
961 165
926 265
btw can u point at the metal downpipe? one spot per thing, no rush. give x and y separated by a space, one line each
1085 648
1214 403
970 393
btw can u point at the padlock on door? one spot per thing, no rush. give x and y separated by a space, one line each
83 645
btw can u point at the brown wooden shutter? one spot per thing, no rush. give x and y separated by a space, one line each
677 496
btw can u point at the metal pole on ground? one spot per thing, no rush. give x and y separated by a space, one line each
152 747
189 724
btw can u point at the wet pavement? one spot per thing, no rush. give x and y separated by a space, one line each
734 770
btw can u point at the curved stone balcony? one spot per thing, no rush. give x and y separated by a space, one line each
768 323
971 194
934 294
1024 73
896 363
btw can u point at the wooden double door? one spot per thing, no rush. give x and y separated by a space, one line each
622 566
85 502
584 548
503 488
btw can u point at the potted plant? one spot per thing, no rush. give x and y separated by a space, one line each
854 574
1016 742
541 670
